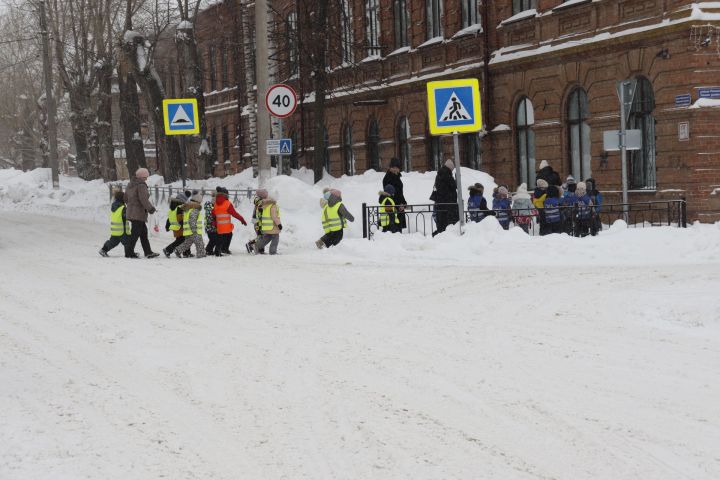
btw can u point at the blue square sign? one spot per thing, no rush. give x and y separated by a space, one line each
454 106
181 116
285 146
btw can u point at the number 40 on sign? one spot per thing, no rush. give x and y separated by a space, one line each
281 100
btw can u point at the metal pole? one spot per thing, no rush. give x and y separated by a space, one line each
261 69
458 181
50 101
182 159
623 152
280 157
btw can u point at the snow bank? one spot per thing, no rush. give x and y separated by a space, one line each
482 244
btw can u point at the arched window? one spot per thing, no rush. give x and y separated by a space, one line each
347 150
471 150
579 134
373 146
292 44
402 20
326 149
469 13
434 18
372 34
224 69
346 32
403 137
642 162
525 141
211 67
435 152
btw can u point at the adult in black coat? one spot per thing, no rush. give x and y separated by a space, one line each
445 191
547 173
392 177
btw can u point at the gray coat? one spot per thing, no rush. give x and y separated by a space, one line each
137 199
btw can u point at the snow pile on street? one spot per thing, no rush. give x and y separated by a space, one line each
483 243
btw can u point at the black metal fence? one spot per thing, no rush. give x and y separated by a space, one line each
161 194
422 218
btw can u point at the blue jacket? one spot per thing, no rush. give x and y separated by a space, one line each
569 199
584 209
597 200
477 202
502 210
552 210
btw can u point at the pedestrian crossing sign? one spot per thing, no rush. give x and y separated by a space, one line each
454 106
181 116
285 146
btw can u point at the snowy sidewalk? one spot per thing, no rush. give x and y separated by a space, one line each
280 367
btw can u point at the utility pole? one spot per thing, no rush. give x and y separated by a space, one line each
262 74
50 101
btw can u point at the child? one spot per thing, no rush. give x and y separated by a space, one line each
522 208
270 223
223 212
583 210
539 196
210 224
501 207
192 228
389 220
334 219
257 213
175 223
567 201
477 205
119 228
597 199
553 219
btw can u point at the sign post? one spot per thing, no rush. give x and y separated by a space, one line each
454 108
181 118
281 101
626 91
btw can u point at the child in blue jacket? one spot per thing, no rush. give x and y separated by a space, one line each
553 218
583 211
501 207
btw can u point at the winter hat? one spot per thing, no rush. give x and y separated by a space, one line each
544 164
395 162
522 188
224 192
502 191
262 193
541 183
581 188
389 189
257 200
142 173
197 198
335 192
478 187
570 180
119 196
181 197
449 163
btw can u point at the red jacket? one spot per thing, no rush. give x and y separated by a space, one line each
223 206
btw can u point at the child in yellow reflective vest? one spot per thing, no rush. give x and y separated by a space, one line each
119 227
334 218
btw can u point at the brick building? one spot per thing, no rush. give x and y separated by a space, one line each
547 68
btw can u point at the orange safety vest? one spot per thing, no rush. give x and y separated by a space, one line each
223 218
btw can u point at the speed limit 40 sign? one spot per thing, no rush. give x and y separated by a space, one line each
281 100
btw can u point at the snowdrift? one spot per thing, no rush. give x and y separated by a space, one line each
483 243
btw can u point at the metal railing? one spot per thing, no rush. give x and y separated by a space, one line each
422 218
161 194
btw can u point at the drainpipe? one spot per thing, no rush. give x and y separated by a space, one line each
486 61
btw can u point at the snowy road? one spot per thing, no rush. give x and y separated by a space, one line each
303 367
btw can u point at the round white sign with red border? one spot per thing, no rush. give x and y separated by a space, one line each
281 100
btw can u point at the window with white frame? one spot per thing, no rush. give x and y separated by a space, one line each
348 155
434 18
346 33
642 162
525 141
403 137
373 145
579 134
372 31
469 13
400 12
292 44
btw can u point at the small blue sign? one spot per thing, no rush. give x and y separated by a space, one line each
286 146
454 106
713 92
683 100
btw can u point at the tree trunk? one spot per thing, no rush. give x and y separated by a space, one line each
27 144
44 133
191 83
130 118
320 84
147 78
248 44
79 120
104 122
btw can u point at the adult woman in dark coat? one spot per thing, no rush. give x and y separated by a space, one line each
445 191
392 177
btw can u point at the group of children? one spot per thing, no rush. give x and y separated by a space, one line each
188 218
571 208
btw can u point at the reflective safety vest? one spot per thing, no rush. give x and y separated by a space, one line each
331 220
118 228
552 210
173 219
386 218
266 221
222 218
186 224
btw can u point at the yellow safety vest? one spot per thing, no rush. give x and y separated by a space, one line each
173 218
384 216
331 218
266 221
117 229
186 224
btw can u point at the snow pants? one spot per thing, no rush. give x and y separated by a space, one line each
192 239
332 238
178 241
115 241
268 238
